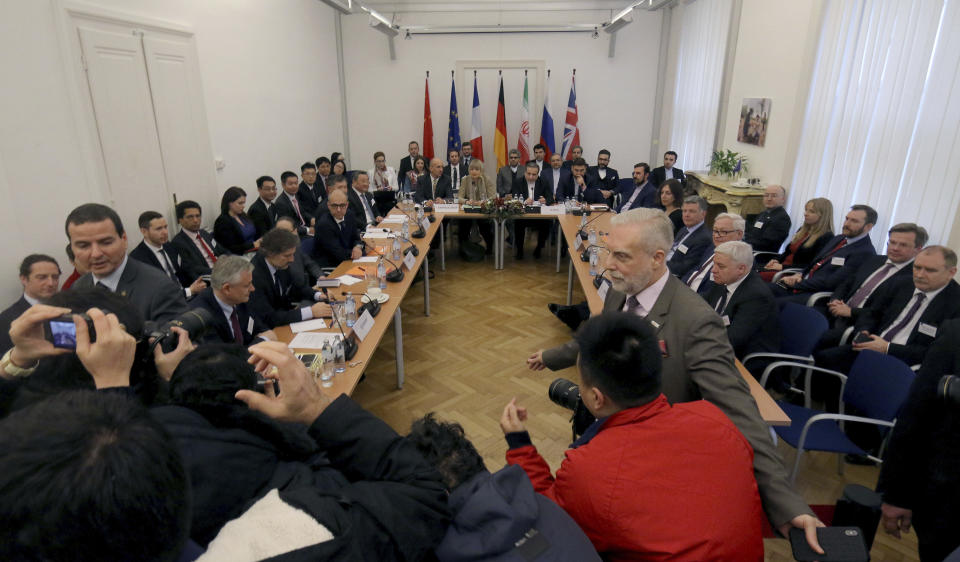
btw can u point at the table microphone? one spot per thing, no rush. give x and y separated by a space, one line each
581 232
394 276
372 305
413 248
420 233
598 278
585 254
349 346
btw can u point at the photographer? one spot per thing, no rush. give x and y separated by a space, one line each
647 480
920 475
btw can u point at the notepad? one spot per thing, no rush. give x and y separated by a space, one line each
312 340
307 325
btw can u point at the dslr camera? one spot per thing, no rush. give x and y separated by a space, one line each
566 393
62 332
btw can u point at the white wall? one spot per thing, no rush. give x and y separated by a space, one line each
615 97
268 70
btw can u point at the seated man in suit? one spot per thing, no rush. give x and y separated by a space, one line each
263 212
553 174
287 204
304 269
455 170
577 187
642 193
744 302
839 258
198 250
40 278
635 504
231 283
362 206
769 229
667 171
576 151
323 173
311 189
698 361
693 240
433 187
530 189
904 242
727 227
338 237
279 298
509 173
100 246
155 250
603 177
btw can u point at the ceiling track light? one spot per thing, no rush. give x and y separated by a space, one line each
343 6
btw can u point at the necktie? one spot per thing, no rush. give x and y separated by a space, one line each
864 291
102 285
235 324
433 187
456 177
211 258
700 270
681 236
296 207
171 272
277 284
629 203
892 332
722 303
820 263
367 209
633 306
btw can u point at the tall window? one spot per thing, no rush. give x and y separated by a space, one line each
882 120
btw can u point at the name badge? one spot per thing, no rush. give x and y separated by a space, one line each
250 325
362 327
927 329
602 291
682 248
726 320
579 243
758 224
425 223
409 260
838 261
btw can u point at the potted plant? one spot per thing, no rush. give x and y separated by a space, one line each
728 163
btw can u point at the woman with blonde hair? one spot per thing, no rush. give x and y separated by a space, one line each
817 230
473 189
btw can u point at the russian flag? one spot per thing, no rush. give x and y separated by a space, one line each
546 124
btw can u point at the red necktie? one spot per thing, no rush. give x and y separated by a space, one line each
296 207
203 244
820 263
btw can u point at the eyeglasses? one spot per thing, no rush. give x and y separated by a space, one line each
723 232
338 205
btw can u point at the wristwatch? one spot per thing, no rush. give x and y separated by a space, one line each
9 368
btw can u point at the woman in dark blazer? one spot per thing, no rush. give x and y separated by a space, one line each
816 231
671 199
233 228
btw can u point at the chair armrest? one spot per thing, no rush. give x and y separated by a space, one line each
809 368
788 271
772 355
814 298
837 417
846 335
759 253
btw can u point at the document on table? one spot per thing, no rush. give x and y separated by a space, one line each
349 279
397 219
307 325
376 234
367 259
312 340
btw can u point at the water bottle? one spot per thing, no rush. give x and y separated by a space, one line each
405 230
594 258
420 213
382 274
592 237
396 249
326 376
339 361
351 306
583 219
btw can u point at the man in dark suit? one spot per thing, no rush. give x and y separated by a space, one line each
553 174
692 240
667 171
455 170
155 250
530 189
40 277
198 250
829 268
338 237
744 302
727 227
323 174
304 270
287 204
575 186
575 152
698 361
770 228
278 299
311 190
362 205
539 157
263 211
605 179
466 154
509 173
642 193
854 294
231 283
406 165
902 319
100 246
433 187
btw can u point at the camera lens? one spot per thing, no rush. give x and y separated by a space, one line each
564 393
949 389
195 323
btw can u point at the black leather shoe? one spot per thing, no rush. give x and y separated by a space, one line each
554 307
570 316
860 460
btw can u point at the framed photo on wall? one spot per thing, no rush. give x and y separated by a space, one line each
754 118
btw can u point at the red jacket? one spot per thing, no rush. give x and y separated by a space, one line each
659 482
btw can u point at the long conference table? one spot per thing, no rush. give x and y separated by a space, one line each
569 225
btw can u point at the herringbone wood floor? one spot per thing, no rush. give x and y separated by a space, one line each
466 361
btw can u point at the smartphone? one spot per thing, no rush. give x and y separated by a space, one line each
862 338
62 332
839 544
307 358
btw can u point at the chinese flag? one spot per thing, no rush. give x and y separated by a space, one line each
500 135
427 123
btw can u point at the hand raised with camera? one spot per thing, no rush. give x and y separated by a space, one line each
513 417
167 362
300 398
110 358
26 333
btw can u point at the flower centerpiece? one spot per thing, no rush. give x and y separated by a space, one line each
501 208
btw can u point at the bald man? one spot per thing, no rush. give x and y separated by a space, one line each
767 231
433 187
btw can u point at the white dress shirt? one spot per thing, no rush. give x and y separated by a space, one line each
903 335
112 280
389 177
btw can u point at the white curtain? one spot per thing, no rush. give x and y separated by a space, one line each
702 48
882 121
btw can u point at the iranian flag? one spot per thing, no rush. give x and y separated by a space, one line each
523 143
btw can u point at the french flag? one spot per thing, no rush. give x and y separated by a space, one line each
476 138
